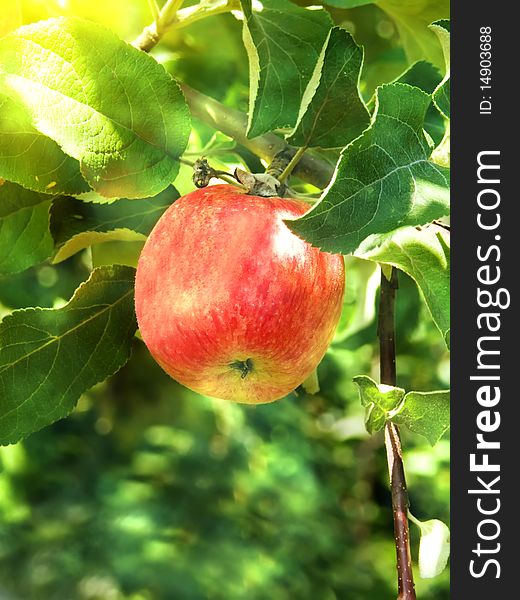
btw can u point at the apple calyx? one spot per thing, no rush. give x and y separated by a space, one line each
243 366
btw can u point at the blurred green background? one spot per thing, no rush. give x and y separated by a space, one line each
149 491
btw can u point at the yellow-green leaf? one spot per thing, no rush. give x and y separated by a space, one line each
76 225
106 104
25 239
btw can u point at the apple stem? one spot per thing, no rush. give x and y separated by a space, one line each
400 503
312 384
203 173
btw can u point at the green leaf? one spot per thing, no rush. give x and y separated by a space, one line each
116 252
25 239
283 43
347 3
441 95
441 154
76 224
384 396
108 105
442 28
421 74
48 358
31 159
379 400
425 413
383 179
413 18
423 255
425 76
332 91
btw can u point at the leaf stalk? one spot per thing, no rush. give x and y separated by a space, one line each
292 164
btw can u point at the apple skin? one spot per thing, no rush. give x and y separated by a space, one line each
230 302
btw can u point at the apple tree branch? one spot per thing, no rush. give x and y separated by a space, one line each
386 334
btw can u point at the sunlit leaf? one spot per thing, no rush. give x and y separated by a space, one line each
283 42
441 154
413 18
64 351
426 413
76 224
434 547
441 95
116 253
106 104
425 256
25 239
31 159
378 399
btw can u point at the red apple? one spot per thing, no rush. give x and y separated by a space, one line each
230 302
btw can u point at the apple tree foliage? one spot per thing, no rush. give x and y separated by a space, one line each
94 133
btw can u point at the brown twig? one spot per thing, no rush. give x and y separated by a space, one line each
386 334
172 15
